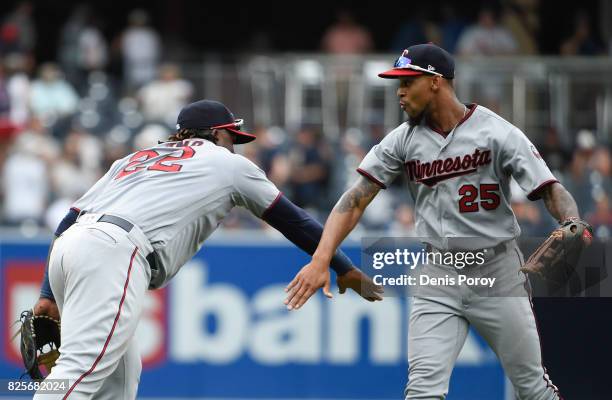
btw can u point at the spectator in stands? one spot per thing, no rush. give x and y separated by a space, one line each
556 156
601 217
380 213
601 171
140 50
36 136
25 186
529 214
271 155
578 183
116 146
352 150
92 49
75 171
52 97
18 31
530 219
7 128
415 30
162 99
582 41
77 167
83 48
5 100
25 179
9 39
18 87
346 36
602 163
451 27
69 42
521 19
309 159
150 135
487 37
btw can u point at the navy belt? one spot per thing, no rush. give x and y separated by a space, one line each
120 222
127 226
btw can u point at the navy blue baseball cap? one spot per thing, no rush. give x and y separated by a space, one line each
210 114
422 59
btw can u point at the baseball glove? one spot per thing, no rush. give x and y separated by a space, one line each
40 341
556 258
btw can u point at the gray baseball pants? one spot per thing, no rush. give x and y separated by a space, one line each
503 316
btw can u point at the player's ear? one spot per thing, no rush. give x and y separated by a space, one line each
215 134
435 83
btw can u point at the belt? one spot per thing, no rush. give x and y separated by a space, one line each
494 251
127 226
120 222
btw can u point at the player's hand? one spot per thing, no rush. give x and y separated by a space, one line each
310 278
47 307
361 284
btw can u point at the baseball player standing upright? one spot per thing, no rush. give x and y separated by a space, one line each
137 226
459 159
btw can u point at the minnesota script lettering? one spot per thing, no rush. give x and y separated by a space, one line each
431 173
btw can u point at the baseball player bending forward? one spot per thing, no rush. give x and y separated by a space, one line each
135 228
459 159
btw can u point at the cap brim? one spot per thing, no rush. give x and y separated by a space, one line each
395 73
241 137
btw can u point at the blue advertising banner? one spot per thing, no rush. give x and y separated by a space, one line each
221 330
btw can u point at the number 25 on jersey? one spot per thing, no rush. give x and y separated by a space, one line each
489 197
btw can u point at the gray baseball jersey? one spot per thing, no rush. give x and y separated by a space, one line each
177 193
460 182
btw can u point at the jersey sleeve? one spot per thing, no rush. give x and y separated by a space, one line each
252 189
521 159
384 161
96 189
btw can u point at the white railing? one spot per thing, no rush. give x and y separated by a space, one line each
337 93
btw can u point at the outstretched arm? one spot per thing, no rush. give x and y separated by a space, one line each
305 232
344 217
340 223
559 202
302 230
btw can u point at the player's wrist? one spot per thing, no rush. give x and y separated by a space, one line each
321 260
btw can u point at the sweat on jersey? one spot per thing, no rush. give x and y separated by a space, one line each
460 182
176 204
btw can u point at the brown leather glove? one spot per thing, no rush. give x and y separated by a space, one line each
556 258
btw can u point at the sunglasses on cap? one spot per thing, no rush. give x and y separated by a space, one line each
404 62
234 127
237 124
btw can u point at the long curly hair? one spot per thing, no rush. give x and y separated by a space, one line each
188 133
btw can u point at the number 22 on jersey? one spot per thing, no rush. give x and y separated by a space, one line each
170 163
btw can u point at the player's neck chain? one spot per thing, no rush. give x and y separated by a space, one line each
465 111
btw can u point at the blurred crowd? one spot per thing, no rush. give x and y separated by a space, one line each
510 27
63 123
